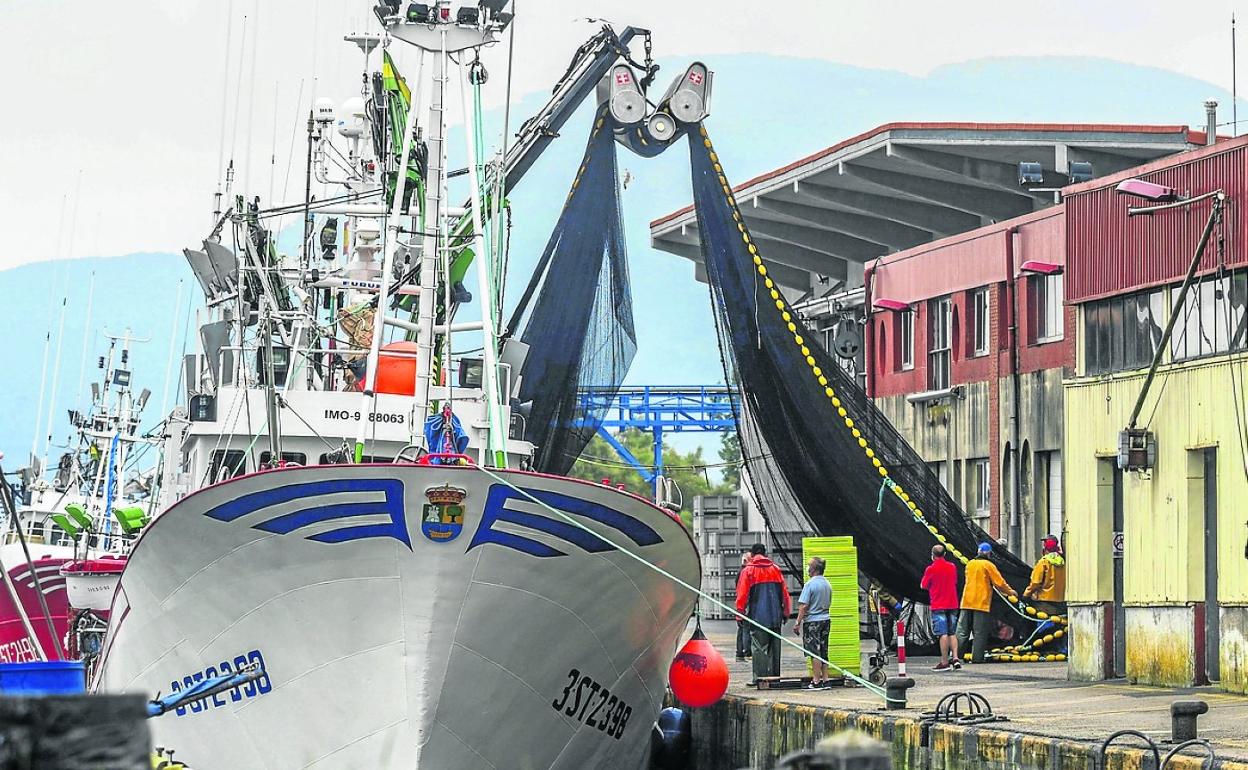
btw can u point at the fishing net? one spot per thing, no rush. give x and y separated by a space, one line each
576 314
818 453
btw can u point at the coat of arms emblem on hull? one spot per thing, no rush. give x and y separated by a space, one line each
443 516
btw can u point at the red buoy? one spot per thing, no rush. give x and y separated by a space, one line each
397 373
699 675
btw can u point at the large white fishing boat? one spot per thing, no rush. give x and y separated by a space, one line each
373 521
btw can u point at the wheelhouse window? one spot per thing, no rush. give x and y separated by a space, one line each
940 323
1047 294
979 322
291 458
226 464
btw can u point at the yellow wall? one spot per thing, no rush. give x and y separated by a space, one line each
1163 515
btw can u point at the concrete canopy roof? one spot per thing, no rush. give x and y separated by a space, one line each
818 220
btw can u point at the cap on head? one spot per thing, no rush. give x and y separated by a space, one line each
1050 544
758 549
985 548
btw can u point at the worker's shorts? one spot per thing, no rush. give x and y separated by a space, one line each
944 622
815 637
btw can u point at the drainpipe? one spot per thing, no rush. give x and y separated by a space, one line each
1014 535
1211 121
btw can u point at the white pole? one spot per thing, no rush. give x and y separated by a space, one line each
86 339
489 382
56 381
173 335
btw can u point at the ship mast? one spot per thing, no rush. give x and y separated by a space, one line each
439 33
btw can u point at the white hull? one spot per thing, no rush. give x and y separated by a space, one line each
384 648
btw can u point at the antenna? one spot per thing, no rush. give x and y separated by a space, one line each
1234 84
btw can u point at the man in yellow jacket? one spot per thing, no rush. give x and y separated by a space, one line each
975 621
1048 578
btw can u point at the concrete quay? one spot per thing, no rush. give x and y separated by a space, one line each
1051 723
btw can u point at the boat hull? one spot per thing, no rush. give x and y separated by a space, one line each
401 628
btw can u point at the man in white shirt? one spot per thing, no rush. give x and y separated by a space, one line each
814 621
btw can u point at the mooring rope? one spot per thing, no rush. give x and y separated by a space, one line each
880 691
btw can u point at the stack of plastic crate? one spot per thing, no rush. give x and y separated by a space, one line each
841 570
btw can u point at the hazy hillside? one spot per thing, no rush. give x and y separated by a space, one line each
767 111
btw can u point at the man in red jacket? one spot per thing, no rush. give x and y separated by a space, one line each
763 596
941 582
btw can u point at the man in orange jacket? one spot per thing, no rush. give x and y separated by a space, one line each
981 577
1048 579
763 596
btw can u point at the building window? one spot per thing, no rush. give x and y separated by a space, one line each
940 469
1121 333
1049 470
1212 319
1047 294
905 338
983 486
979 322
940 321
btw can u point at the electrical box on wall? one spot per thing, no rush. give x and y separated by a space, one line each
1137 450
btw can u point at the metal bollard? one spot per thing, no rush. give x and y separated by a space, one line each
895 690
1183 715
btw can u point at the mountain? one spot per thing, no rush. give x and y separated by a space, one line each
766 111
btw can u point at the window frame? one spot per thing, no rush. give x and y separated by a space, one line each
980 328
905 347
983 486
940 346
1048 313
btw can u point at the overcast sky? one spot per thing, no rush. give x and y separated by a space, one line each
118 114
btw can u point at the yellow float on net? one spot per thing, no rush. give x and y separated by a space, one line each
1048 638
884 472
912 506
836 402
779 305
823 380
875 461
810 360
1058 634
1031 611
849 422
792 327
870 453
818 372
798 339
1042 615
827 392
855 430
1060 656
862 442
786 316
939 537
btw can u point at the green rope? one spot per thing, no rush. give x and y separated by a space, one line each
888 484
696 591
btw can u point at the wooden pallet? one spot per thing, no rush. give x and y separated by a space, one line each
790 682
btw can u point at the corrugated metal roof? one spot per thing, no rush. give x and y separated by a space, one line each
1108 252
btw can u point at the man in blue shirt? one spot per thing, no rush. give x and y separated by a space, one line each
814 621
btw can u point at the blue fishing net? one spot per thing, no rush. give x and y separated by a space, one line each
576 314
